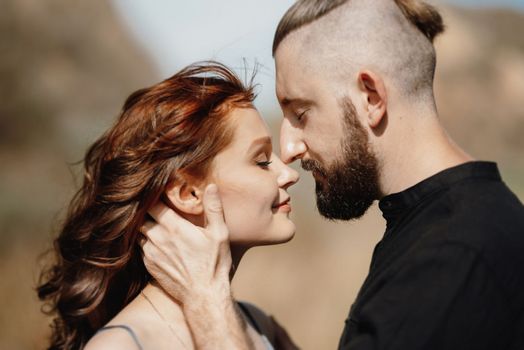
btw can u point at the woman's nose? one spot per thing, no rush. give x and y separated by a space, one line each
287 176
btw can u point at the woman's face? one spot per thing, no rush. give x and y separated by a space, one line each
252 182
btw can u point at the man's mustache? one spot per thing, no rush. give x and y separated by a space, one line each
313 165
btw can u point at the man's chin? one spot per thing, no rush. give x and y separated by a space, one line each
320 184
341 210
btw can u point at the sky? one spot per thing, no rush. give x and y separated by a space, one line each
238 33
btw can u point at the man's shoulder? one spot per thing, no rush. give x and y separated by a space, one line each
490 223
487 220
480 214
480 196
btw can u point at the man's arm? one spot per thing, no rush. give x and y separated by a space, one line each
192 264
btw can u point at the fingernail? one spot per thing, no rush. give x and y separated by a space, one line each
212 189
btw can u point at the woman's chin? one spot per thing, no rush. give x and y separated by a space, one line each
280 231
284 234
288 238
277 237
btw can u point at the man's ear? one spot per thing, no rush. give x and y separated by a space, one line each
375 97
186 196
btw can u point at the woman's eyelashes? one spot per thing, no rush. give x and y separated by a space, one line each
263 161
264 164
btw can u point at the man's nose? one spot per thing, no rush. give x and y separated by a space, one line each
292 147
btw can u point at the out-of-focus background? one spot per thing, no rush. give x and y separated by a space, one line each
66 68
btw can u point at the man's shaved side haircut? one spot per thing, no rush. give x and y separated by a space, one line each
301 13
422 15
392 37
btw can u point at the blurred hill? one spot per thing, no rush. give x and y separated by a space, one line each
65 70
480 85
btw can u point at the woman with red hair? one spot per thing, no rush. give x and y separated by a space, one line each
168 144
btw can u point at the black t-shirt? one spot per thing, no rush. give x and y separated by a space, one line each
449 272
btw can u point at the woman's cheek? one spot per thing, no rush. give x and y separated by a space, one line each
248 215
238 213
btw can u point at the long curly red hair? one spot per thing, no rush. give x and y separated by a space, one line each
176 126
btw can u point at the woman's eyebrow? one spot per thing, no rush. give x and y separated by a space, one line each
262 141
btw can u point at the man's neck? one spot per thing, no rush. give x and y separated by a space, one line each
425 152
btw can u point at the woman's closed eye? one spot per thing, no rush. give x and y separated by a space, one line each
264 164
263 161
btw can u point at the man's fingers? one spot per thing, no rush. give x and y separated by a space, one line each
214 212
164 215
158 264
141 241
162 239
147 227
168 218
153 233
162 266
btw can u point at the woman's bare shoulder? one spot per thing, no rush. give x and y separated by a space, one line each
115 338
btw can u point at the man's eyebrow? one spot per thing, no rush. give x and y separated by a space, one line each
265 140
285 102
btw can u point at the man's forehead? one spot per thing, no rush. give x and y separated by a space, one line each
293 77
298 86
290 97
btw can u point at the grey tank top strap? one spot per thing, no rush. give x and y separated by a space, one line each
126 328
255 319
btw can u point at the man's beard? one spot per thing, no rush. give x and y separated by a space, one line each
351 184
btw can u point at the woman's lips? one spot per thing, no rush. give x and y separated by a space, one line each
284 206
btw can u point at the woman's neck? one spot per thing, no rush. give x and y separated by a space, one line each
163 320
162 303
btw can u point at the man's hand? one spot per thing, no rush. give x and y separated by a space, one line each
192 264
187 260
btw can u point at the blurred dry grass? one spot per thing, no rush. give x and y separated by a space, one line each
65 70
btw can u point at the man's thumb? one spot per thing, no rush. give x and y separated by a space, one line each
213 207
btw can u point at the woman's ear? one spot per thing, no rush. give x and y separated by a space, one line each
186 196
374 92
